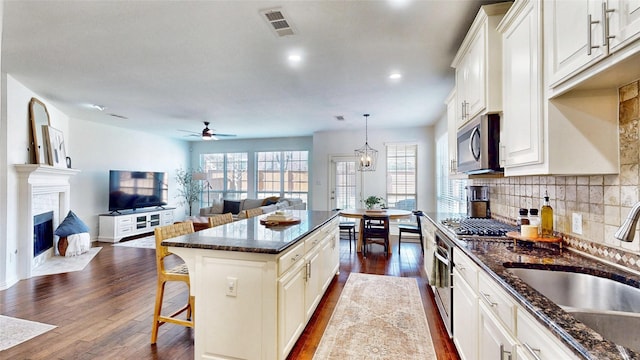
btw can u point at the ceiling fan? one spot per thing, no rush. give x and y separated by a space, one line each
207 134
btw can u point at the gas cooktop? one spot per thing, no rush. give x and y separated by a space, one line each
474 227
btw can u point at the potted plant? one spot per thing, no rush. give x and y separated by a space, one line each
189 189
374 201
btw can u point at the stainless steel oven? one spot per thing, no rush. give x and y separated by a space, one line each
443 285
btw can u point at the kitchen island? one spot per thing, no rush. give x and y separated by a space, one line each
520 309
256 286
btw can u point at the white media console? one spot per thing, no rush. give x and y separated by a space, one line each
114 227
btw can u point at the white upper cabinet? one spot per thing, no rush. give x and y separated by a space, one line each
453 113
587 37
522 139
576 31
478 65
624 17
573 132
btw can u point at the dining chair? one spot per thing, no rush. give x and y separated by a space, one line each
412 229
177 273
217 220
350 228
375 234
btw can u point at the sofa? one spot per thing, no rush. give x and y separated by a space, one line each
238 207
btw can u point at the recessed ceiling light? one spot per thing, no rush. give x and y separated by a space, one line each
295 58
98 107
395 76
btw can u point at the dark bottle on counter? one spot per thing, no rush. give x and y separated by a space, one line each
523 218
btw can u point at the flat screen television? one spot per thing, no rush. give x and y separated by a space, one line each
131 190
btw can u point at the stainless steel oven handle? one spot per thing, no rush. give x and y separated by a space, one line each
442 259
474 132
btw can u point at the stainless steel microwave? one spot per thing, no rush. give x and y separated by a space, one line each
479 144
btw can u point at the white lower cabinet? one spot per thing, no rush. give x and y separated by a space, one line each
496 342
489 324
313 288
291 308
465 318
537 343
275 295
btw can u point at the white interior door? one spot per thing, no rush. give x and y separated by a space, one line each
346 183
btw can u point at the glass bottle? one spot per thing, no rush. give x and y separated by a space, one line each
522 219
546 218
534 219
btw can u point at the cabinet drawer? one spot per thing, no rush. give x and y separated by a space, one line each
124 220
288 259
124 230
499 302
467 268
314 239
537 342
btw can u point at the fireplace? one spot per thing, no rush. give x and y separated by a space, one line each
42 189
42 233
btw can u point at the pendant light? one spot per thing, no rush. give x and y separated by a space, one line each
367 156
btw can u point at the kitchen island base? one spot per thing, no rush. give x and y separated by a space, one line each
256 305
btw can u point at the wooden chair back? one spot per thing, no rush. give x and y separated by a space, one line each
167 232
253 212
217 220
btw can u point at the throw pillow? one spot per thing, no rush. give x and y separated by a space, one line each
231 206
270 200
71 225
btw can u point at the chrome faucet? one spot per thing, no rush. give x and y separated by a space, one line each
627 230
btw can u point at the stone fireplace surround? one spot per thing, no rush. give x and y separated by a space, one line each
41 188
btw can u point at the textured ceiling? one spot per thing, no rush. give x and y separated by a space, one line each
170 65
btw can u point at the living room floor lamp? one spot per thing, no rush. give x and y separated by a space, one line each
367 156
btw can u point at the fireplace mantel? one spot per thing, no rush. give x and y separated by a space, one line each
36 180
45 171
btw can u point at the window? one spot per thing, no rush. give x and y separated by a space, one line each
402 176
227 176
282 173
451 193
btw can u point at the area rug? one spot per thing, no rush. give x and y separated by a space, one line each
14 331
147 242
377 317
63 264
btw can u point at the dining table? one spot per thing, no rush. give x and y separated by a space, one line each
393 214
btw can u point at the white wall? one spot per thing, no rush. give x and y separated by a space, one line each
94 149
98 148
343 143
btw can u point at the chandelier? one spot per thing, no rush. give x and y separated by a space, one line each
367 156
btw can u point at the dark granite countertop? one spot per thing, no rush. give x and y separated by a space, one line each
496 256
249 235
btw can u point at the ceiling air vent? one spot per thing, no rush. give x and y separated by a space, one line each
278 22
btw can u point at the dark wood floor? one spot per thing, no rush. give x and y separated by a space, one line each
106 310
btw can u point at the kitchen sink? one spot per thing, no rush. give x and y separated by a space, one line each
609 307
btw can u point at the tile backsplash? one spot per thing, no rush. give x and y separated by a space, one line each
603 200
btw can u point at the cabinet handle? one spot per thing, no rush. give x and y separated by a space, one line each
488 299
308 271
504 352
462 110
461 268
295 258
589 23
532 351
466 109
605 25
